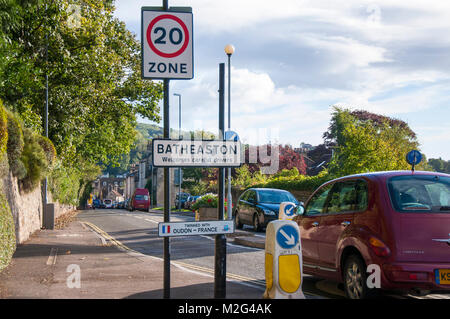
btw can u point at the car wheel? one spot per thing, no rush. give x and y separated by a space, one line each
355 277
256 223
237 221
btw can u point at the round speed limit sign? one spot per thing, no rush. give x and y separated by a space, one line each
167 50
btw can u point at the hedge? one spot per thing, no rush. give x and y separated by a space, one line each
35 160
7 232
48 147
3 129
15 146
296 183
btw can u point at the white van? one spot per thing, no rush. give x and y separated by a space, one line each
108 203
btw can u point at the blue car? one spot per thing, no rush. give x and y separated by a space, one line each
181 199
96 203
259 206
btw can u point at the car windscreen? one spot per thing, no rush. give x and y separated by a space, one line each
420 193
275 197
107 201
141 197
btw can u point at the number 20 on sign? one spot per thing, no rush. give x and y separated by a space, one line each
167 43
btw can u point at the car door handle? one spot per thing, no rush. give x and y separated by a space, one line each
315 224
345 223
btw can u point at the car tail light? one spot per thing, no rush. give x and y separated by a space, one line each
378 247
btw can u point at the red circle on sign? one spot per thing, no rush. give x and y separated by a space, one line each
149 36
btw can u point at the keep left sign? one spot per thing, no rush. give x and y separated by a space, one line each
167 43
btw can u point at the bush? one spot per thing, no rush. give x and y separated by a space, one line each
34 160
15 146
64 184
3 140
7 232
297 183
48 147
209 200
3 129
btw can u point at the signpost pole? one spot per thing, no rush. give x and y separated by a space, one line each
220 240
166 249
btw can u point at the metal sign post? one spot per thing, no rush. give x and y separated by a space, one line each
220 256
167 53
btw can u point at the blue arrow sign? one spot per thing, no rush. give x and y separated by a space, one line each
287 237
414 157
231 136
289 210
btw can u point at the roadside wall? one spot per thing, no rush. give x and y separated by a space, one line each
27 209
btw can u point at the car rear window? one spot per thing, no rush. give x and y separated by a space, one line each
141 197
420 193
274 197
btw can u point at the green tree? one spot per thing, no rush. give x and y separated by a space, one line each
366 145
95 84
439 165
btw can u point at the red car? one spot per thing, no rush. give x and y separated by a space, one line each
398 221
140 200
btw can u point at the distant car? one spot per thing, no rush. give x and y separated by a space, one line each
140 200
259 206
181 199
108 203
96 203
398 221
191 201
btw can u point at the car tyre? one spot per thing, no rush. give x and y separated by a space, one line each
237 221
256 223
355 278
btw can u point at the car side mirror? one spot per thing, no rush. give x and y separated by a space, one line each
301 209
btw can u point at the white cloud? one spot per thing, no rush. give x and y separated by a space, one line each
297 58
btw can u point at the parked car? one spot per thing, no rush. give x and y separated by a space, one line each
96 203
140 200
399 221
191 200
108 203
181 198
259 206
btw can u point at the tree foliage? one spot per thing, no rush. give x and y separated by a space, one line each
93 66
439 165
363 144
95 87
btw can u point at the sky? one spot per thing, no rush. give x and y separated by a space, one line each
295 59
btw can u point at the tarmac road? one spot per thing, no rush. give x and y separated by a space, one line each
139 231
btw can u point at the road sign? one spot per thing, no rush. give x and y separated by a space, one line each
195 228
414 157
189 153
283 261
289 210
287 237
167 43
231 136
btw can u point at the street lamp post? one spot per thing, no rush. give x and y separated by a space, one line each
229 50
179 137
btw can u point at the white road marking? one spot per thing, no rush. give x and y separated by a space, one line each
52 258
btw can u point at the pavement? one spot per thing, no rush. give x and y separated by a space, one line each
82 262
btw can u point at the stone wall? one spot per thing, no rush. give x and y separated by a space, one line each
27 208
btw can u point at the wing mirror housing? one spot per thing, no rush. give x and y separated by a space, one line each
300 209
